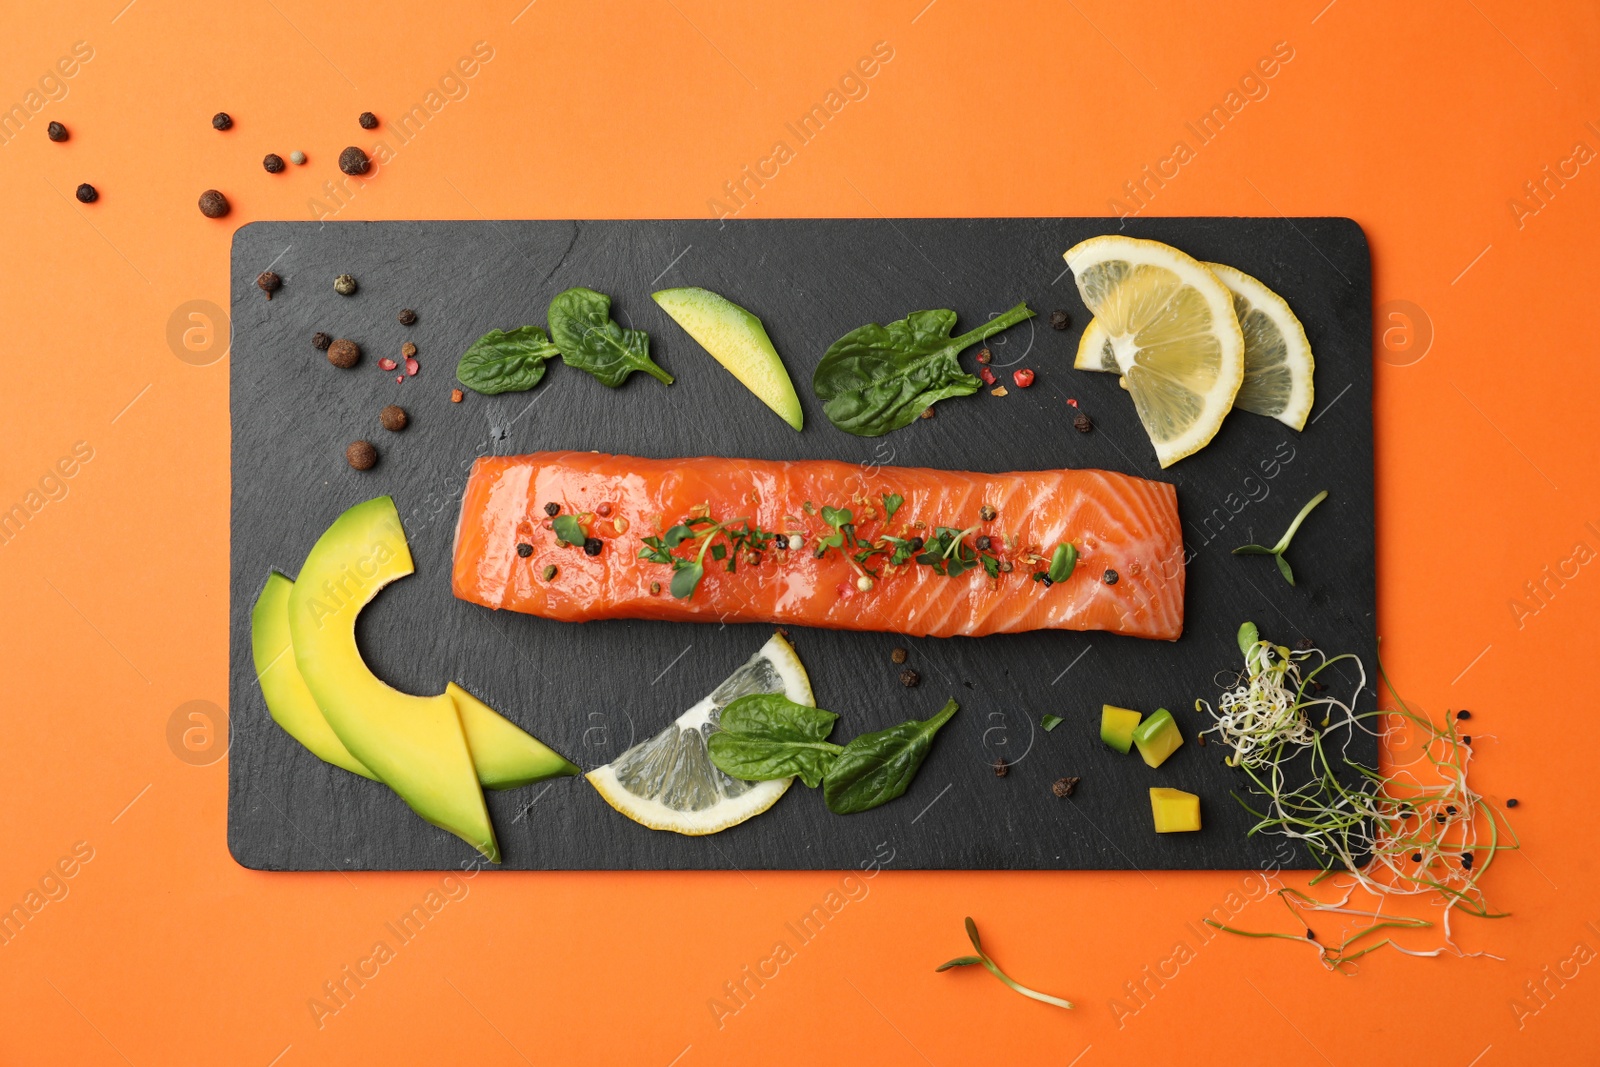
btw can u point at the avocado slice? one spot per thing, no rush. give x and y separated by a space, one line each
738 341
288 700
503 755
1117 726
1157 737
416 745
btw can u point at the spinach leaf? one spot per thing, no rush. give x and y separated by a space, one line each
875 768
766 735
879 378
582 329
506 362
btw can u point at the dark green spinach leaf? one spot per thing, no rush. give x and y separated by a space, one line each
875 768
879 378
766 735
582 329
506 361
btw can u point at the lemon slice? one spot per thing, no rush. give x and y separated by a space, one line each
668 782
1277 357
1173 332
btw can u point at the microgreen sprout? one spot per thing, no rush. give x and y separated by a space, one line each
1404 833
994 969
1277 550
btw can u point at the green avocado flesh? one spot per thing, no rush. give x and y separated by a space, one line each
503 754
738 341
288 700
418 746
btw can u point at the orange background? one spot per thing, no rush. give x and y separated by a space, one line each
1422 121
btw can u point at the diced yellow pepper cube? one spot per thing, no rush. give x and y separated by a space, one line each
1174 810
1158 737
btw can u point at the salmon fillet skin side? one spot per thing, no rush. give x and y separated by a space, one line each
1129 578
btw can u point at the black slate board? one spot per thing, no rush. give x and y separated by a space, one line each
592 690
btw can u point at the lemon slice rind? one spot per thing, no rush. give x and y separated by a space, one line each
631 785
1159 379
1250 295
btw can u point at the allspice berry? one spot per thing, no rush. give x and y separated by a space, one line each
87 194
344 354
273 162
368 120
407 317
320 341
361 455
393 418
345 285
56 132
354 161
221 121
269 282
213 205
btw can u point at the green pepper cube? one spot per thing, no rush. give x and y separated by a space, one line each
1157 737
1117 726
1174 811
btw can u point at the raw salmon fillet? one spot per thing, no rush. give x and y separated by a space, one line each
1118 523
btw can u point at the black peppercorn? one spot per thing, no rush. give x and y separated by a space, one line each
56 132
87 194
909 678
213 205
320 341
987 513
407 317
1082 423
916 544
592 546
354 161
1059 320
221 121
1065 787
273 163
368 120
269 282
1044 579
1109 577
552 509
898 655
524 549
1005 566
983 544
